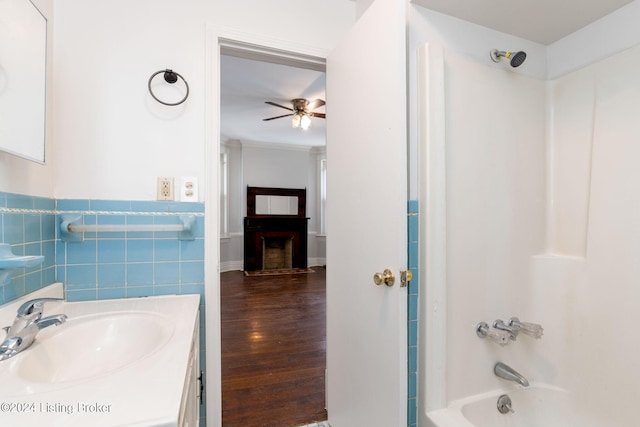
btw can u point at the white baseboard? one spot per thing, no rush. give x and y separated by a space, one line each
316 262
231 266
239 265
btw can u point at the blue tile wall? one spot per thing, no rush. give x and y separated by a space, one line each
27 223
412 311
118 264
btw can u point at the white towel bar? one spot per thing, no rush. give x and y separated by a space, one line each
71 228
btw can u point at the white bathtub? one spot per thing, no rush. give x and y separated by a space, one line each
539 405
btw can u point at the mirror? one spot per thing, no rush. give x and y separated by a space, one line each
23 51
276 205
276 201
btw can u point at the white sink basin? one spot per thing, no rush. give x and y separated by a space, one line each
93 345
92 370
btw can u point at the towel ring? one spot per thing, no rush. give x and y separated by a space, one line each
171 77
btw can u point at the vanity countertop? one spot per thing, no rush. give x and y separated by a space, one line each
153 334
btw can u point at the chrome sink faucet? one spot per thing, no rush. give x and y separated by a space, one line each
508 373
26 325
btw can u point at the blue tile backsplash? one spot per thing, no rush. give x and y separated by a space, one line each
126 264
28 225
103 264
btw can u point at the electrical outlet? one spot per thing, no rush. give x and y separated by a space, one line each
165 188
189 189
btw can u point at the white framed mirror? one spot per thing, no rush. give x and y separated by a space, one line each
23 57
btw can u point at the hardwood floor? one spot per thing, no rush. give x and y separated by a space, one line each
273 349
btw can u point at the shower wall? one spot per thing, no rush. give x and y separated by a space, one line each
542 222
495 123
596 152
479 132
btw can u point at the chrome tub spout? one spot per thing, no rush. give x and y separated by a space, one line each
508 373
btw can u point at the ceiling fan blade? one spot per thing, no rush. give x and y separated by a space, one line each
315 104
320 115
277 117
278 105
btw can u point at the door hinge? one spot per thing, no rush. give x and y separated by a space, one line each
201 381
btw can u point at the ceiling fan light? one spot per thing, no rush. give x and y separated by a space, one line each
300 120
305 122
296 120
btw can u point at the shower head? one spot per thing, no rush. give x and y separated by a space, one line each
515 58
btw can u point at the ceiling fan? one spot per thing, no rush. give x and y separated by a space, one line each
301 112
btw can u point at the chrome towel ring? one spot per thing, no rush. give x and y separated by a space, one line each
171 77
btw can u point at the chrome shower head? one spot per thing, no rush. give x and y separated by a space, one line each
515 58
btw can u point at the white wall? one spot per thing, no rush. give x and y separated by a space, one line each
494 129
274 167
470 40
25 177
602 293
113 139
496 206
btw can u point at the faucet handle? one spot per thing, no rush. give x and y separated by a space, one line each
513 330
496 335
34 307
532 329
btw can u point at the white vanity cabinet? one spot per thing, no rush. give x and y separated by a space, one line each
190 406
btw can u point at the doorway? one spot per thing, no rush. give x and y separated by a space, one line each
273 328
366 324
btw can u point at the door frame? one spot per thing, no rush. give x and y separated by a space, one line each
217 39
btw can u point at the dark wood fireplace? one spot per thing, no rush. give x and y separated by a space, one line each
275 226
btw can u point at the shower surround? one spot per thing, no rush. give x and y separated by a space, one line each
533 182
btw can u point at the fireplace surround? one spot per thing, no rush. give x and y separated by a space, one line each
265 230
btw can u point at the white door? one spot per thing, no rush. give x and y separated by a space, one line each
366 222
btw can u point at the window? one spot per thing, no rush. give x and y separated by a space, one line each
323 196
224 194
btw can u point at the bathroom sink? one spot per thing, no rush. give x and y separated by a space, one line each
93 345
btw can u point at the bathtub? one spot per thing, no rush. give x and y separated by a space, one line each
540 405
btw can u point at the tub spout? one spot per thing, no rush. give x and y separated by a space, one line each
508 373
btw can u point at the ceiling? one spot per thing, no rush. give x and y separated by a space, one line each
541 21
246 83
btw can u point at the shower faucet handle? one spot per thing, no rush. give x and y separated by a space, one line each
496 335
512 330
532 329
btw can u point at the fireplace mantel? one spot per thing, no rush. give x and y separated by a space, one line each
258 227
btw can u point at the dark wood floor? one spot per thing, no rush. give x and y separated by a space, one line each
273 349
